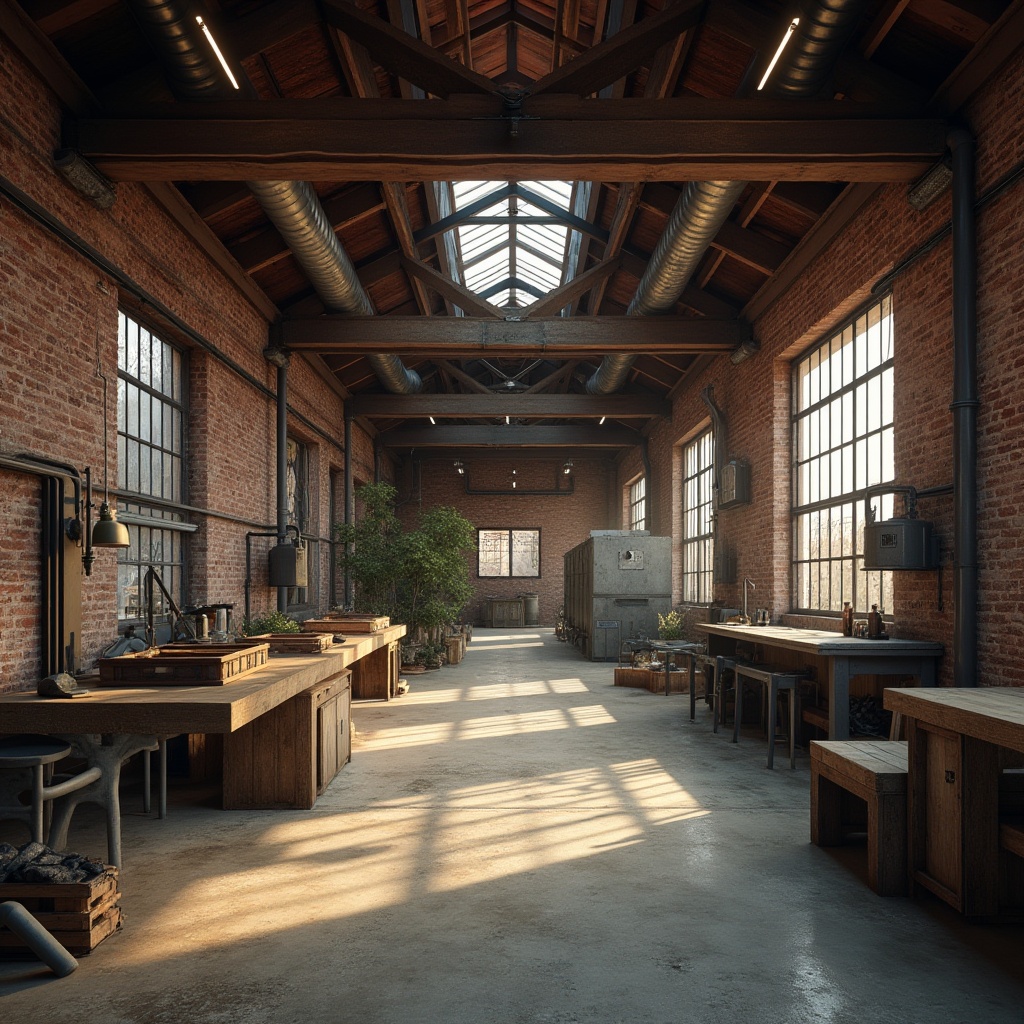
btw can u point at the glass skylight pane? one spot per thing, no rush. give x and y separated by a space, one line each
533 254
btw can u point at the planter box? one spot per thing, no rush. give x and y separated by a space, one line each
79 915
185 665
292 643
339 623
653 680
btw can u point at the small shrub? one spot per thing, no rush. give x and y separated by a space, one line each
275 622
670 627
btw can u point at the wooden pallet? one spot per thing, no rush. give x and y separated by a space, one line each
292 643
185 665
347 623
79 915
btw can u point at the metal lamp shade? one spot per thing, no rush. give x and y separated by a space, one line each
108 532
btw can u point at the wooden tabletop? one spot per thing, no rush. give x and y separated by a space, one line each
993 714
820 641
170 710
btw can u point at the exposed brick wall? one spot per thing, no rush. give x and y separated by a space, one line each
57 326
563 521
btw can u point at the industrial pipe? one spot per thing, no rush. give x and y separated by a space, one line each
281 361
965 413
37 938
350 500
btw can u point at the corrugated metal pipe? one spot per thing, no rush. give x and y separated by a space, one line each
292 206
703 207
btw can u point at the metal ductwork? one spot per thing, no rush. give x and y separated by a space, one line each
704 205
292 206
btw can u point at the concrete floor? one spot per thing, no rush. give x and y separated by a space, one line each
519 842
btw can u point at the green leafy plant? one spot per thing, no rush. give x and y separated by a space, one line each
418 577
274 622
670 626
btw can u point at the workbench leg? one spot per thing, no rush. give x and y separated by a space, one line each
826 823
839 699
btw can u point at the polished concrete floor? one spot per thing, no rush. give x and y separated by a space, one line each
517 840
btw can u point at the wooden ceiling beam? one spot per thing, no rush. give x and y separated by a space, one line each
462 377
483 407
622 140
513 436
553 337
624 52
448 289
403 54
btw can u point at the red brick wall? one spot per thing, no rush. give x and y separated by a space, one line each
564 521
56 326
755 397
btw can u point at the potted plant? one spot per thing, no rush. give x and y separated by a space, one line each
670 626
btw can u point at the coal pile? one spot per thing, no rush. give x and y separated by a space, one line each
35 862
867 718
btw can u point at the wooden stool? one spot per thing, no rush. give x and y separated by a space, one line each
774 682
875 771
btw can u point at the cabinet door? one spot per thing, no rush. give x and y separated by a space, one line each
939 790
328 738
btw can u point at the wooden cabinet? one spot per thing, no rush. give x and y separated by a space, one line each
286 757
501 614
953 801
375 676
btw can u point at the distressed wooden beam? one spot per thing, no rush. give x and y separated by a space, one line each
492 406
462 337
393 140
514 436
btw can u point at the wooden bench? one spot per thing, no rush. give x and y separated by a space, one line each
875 771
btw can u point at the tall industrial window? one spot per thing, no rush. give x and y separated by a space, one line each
298 512
508 552
698 527
151 385
843 445
638 504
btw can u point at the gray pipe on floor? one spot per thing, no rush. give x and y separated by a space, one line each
37 938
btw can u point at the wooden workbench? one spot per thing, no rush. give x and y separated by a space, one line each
844 658
958 742
265 717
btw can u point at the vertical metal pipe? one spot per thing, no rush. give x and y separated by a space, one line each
282 468
965 413
350 500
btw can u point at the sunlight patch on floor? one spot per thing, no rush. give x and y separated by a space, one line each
481 641
496 691
510 724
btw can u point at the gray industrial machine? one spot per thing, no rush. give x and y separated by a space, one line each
616 583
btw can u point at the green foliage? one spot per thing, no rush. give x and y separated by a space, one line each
418 577
275 622
670 627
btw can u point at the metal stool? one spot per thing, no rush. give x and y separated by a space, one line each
774 682
24 760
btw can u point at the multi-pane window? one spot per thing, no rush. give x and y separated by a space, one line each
508 552
638 504
843 446
150 465
698 524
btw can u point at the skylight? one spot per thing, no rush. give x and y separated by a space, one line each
512 250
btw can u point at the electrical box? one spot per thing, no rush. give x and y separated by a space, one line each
288 566
900 544
734 484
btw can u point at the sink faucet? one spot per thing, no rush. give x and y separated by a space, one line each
747 582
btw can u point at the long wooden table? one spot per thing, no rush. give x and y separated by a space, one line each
958 741
845 656
150 712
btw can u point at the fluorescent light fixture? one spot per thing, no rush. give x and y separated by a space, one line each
433 422
930 185
460 468
216 50
600 422
507 422
778 53
567 468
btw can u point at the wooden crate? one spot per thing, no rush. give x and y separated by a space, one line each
338 623
185 665
653 680
292 643
79 915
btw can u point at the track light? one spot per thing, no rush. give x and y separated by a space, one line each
567 468
778 53
600 422
433 422
459 467
216 50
